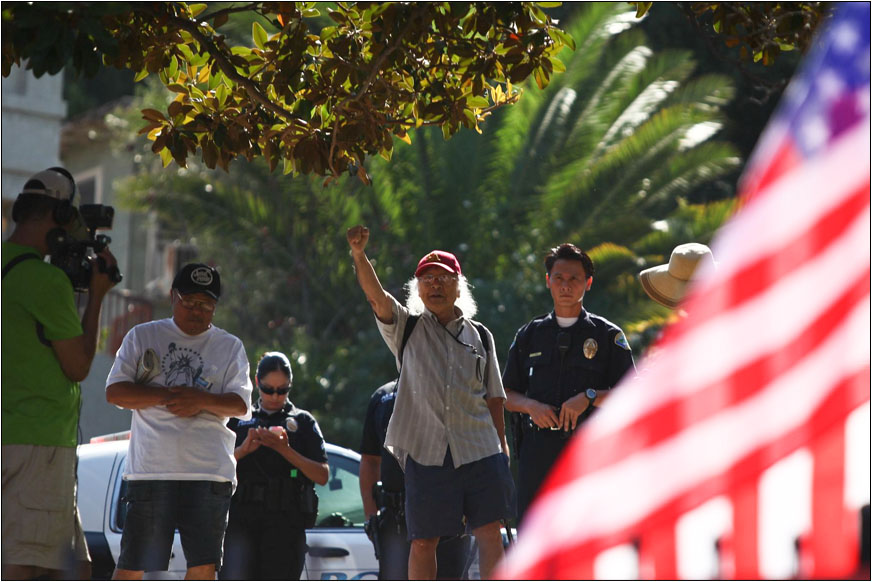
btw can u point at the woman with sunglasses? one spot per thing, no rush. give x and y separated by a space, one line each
280 455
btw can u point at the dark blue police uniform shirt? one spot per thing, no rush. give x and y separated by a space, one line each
536 368
375 428
265 463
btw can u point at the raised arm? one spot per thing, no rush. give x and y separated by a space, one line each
378 298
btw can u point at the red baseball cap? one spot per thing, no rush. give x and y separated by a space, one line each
439 259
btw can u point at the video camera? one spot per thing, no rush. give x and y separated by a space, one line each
73 255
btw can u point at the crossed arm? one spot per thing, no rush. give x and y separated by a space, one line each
182 401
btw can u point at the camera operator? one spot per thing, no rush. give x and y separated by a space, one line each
46 351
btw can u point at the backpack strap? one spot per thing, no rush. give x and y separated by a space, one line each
40 329
411 322
482 335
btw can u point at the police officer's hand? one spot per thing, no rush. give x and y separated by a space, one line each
276 440
249 445
357 237
544 415
184 401
571 410
100 280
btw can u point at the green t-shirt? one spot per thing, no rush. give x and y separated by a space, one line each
40 405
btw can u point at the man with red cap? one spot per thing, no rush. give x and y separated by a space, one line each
447 429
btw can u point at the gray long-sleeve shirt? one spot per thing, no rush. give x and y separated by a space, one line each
445 379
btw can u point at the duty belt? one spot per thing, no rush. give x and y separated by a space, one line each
528 424
273 494
393 500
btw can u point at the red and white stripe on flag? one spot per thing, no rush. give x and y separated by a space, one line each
773 357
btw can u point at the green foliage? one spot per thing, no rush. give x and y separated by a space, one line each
604 157
600 158
761 30
313 102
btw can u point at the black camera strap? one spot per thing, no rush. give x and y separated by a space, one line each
18 259
40 330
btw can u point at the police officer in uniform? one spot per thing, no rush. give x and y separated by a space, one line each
382 488
560 366
280 455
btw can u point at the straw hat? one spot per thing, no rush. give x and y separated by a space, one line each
666 284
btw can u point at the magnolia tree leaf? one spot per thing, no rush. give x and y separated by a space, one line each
336 96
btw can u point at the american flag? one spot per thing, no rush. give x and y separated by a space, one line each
772 359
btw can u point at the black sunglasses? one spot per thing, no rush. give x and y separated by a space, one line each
271 391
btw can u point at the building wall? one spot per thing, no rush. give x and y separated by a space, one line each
31 114
98 416
94 162
97 165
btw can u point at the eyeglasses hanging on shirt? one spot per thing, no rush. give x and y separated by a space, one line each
479 368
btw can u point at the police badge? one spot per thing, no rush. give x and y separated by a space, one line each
590 348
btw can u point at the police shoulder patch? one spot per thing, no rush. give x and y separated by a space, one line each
621 341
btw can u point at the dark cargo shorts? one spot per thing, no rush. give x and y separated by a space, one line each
437 498
155 509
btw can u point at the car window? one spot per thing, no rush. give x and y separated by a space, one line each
339 503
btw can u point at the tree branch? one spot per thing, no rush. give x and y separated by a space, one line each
229 69
765 86
253 7
411 123
376 67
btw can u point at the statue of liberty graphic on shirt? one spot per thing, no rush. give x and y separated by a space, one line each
182 367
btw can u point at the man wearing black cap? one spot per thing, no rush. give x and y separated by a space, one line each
183 378
47 351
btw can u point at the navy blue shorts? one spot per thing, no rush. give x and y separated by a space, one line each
437 498
155 509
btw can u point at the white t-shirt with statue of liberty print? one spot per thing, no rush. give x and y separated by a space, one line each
164 446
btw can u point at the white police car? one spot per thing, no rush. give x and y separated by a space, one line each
338 546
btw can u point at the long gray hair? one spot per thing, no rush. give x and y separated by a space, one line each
466 302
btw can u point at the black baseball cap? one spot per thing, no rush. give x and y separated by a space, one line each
198 278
